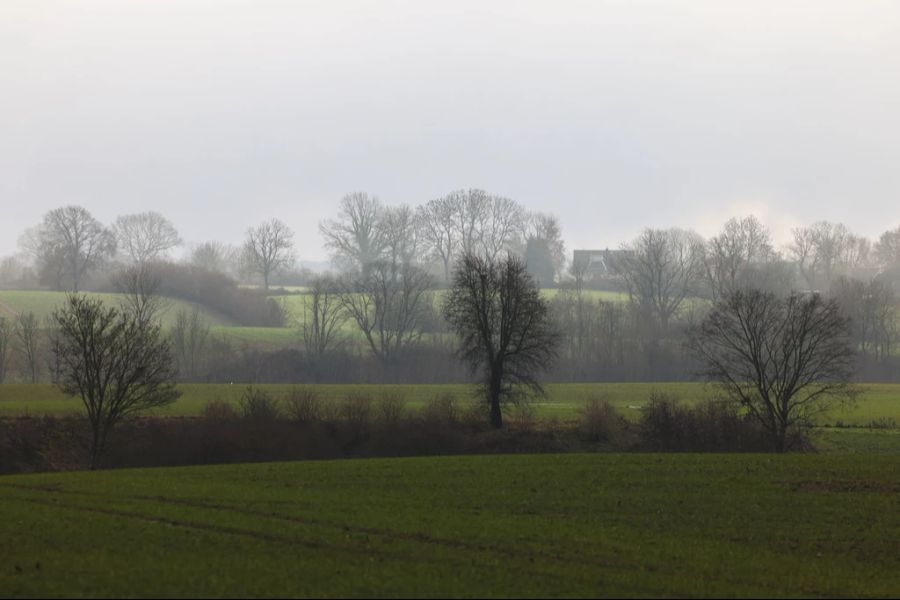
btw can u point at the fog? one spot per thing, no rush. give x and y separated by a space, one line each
613 115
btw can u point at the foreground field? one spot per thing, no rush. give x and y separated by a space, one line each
564 400
548 525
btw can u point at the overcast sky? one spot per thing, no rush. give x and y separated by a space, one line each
613 115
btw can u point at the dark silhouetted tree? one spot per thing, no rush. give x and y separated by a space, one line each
786 360
506 332
116 362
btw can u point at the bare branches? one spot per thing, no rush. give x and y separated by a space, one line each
145 237
661 268
323 316
388 305
826 250
355 238
118 364
505 329
269 248
785 360
68 244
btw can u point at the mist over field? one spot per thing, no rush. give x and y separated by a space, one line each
416 298
613 115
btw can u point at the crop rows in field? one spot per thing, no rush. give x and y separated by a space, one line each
535 525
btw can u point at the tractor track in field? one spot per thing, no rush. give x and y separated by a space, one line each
532 555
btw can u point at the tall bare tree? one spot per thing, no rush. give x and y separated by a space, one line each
786 360
502 226
872 308
6 332
506 332
437 231
824 250
356 238
741 243
145 237
323 316
661 268
400 235
388 306
269 248
27 331
189 334
139 286
68 244
116 363
470 211
887 249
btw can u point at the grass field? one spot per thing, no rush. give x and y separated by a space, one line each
539 525
42 304
878 401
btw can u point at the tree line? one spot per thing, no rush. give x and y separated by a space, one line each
391 259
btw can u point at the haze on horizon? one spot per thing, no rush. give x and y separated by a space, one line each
613 115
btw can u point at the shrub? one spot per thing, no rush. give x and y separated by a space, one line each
356 411
441 409
258 405
600 422
218 410
304 405
883 423
391 406
712 425
522 414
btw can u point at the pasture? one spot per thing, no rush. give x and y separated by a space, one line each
528 525
43 303
563 401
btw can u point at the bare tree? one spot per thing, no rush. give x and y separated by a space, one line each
470 210
388 307
887 249
69 243
505 328
437 230
213 256
28 337
6 332
118 364
786 360
356 238
661 268
502 226
269 248
145 237
872 308
323 316
400 235
826 250
139 286
54 349
742 243
189 337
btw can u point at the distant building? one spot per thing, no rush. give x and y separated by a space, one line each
598 263
599 268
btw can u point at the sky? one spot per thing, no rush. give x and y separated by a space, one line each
613 115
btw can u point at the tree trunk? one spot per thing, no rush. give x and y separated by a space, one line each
494 399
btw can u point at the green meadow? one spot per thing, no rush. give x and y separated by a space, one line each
526 525
563 400
43 303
